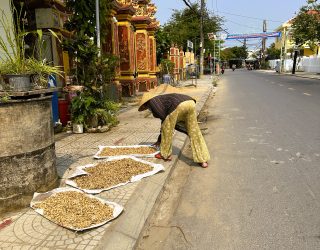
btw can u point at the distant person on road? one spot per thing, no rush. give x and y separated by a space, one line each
233 67
176 111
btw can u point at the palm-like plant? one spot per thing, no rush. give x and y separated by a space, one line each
13 59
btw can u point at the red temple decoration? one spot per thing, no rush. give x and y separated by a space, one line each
126 49
136 26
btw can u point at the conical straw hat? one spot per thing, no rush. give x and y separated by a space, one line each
165 89
160 90
145 98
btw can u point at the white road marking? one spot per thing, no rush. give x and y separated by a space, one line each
252 140
307 94
291 88
281 85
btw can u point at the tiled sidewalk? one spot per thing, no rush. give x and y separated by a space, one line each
28 230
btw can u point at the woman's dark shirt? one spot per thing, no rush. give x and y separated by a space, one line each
163 105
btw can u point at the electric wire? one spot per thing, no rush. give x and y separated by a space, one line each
256 18
243 25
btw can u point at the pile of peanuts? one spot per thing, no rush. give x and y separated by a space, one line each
75 210
127 151
111 173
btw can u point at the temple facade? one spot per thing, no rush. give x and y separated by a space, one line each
132 39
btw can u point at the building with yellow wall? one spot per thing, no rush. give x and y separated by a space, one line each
286 43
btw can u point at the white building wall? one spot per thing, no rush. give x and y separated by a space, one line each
311 64
306 64
273 63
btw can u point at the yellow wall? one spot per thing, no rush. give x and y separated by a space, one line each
189 57
287 43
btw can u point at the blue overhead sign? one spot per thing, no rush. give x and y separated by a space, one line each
253 35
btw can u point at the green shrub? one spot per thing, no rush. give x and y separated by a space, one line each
167 67
86 109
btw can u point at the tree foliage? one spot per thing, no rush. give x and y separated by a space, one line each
226 54
306 25
235 52
185 25
163 43
92 71
273 53
83 20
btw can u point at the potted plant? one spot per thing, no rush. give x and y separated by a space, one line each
16 68
167 70
90 112
80 109
92 68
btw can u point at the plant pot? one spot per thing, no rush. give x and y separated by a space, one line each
19 82
93 122
77 128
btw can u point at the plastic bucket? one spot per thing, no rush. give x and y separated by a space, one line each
64 114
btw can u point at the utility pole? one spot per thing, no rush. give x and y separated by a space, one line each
284 50
202 6
264 28
295 58
214 57
219 48
294 61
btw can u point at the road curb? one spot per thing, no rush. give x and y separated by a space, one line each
310 76
125 232
304 76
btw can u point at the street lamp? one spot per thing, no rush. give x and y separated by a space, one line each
98 26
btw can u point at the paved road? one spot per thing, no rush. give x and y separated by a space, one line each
262 188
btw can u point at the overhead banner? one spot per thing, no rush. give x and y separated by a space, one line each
253 35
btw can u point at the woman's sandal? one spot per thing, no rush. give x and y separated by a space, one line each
203 164
159 156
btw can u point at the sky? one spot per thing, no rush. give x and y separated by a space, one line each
241 16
